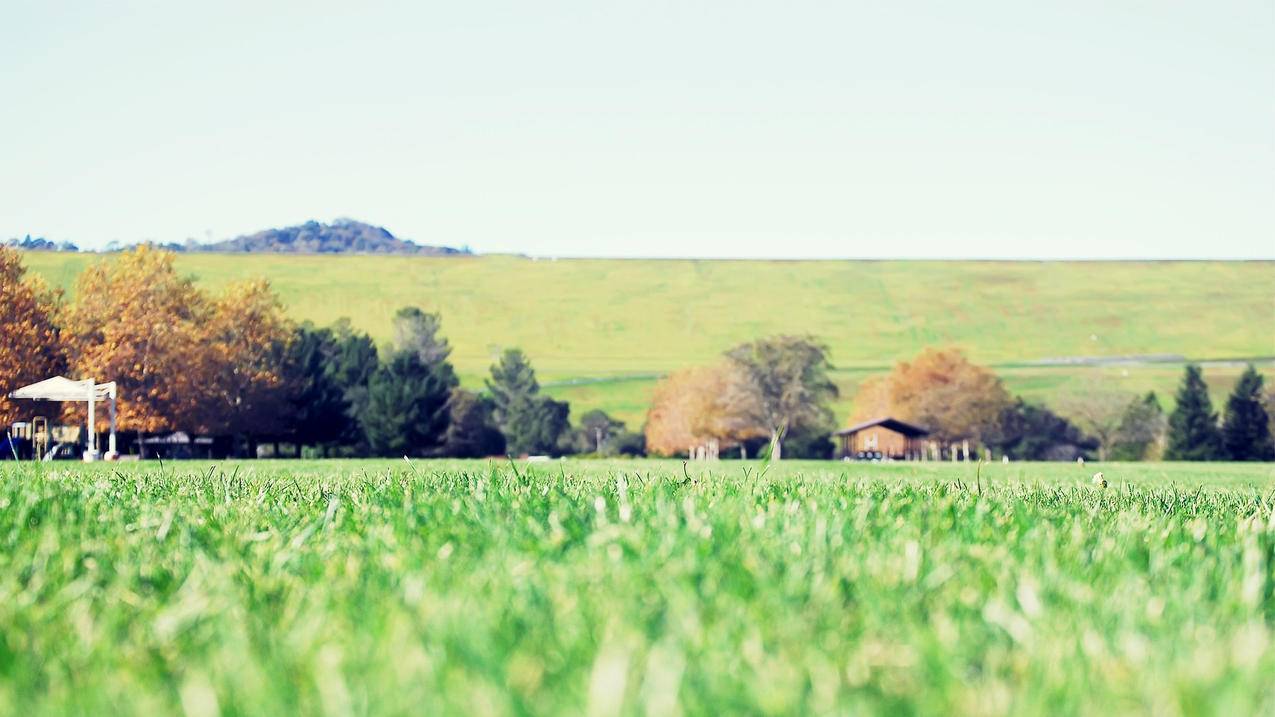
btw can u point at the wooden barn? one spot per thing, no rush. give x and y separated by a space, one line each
882 438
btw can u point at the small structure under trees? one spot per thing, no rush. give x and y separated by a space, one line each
882 438
61 388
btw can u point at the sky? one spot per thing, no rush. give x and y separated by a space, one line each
1077 129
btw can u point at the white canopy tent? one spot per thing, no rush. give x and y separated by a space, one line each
61 388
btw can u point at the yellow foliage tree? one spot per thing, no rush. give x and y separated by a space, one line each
941 390
30 350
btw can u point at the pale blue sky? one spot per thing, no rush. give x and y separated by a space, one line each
783 129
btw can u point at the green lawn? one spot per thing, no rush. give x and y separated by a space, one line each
590 319
379 587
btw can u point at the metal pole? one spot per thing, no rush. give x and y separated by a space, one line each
110 441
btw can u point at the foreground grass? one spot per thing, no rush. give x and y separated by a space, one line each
603 588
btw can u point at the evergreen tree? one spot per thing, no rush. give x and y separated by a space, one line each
531 423
1193 431
407 407
1035 433
351 360
1140 431
471 430
596 431
512 381
1246 433
538 426
417 331
318 408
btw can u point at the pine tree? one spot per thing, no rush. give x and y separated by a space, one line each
1193 430
1246 433
513 380
417 331
407 407
318 414
352 360
531 423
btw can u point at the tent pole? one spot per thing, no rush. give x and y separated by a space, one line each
91 453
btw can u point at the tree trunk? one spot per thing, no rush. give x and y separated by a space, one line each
776 446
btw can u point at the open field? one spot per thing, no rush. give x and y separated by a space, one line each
619 319
636 587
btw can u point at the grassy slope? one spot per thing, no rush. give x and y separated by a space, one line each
600 318
464 588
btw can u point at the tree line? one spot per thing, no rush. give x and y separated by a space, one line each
230 363
775 392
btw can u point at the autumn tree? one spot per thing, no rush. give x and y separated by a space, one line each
135 321
30 348
246 341
789 379
695 405
941 390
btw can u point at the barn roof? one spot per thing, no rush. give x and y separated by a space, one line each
892 424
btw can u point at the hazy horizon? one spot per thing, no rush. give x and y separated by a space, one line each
986 131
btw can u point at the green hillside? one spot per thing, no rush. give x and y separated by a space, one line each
600 330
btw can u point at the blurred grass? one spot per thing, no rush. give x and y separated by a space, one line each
378 587
595 318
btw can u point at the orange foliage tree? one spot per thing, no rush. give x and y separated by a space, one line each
941 390
133 320
30 350
182 359
247 335
693 406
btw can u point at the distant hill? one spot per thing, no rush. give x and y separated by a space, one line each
29 243
343 236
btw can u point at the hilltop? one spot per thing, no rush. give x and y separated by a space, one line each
600 331
343 236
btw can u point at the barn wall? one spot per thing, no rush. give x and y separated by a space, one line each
888 442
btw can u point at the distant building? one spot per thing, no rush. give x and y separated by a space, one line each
882 438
